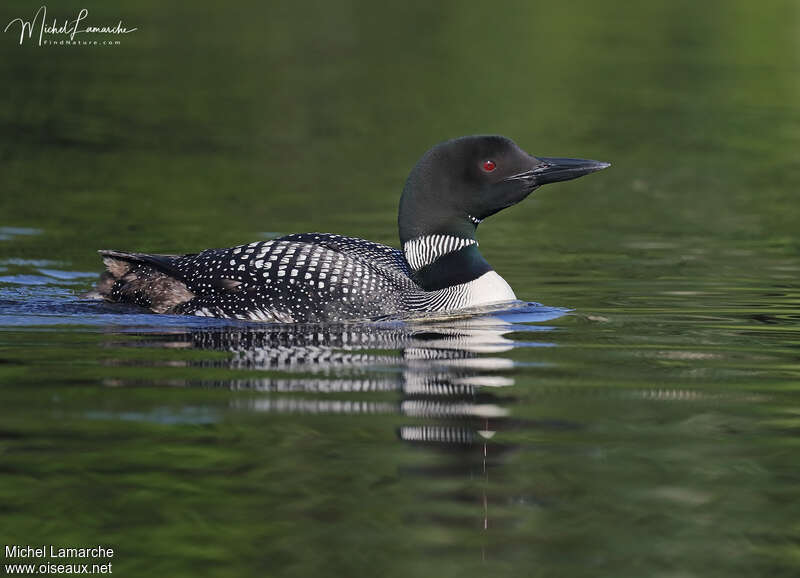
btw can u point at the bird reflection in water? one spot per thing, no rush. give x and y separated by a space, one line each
443 370
446 373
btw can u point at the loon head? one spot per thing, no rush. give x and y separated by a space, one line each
458 183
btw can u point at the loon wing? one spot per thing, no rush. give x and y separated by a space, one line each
308 277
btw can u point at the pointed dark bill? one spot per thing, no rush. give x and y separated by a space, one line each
553 170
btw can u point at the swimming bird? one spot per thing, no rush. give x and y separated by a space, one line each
322 277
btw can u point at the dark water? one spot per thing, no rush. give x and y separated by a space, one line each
642 421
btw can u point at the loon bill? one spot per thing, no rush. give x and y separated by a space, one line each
318 277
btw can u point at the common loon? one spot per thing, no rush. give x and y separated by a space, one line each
320 277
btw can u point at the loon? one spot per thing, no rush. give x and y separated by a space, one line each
321 277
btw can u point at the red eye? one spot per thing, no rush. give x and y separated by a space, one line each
489 166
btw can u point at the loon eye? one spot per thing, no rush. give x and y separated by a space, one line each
489 166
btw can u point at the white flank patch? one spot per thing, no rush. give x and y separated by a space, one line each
488 288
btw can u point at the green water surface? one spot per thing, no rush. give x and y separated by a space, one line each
643 421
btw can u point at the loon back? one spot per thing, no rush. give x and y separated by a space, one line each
318 277
309 278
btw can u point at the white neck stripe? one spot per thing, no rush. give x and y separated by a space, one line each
425 250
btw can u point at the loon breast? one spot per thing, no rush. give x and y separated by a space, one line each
454 264
489 288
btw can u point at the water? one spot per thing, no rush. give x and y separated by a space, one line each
639 419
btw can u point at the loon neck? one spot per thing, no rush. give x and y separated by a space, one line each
438 236
440 261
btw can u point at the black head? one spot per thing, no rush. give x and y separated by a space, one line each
460 182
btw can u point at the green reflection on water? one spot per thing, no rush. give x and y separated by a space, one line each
656 438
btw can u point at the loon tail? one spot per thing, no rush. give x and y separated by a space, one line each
117 260
150 281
